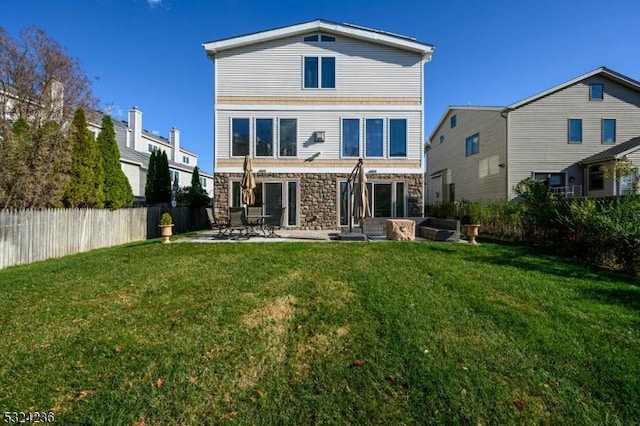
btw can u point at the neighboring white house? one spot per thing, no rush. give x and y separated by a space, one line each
136 144
562 135
305 102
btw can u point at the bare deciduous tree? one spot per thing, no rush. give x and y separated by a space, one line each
41 84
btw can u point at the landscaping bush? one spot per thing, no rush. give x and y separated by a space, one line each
601 231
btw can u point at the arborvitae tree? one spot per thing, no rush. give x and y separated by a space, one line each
117 190
163 179
197 196
149 193
85 188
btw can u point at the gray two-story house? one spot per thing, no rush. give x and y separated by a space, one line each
562 135
306 101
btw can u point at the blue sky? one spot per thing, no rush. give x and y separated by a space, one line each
148 53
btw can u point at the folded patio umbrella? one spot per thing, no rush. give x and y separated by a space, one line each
248 182
360 194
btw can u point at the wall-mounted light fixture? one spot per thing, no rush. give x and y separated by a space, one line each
501 165
318 136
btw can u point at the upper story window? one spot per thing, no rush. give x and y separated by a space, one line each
151 147
575 130
288 137
454 121
323 38
185 159
350 137
608 130
264 137
398 137
203 182
596 92
239 137
319 72
472 145
374 144
175 177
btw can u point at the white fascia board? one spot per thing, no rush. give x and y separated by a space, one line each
318 170
461 108
602 70
337 108
399 42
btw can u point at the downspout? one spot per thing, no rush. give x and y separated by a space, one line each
505 114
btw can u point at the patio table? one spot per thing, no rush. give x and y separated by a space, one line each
257 220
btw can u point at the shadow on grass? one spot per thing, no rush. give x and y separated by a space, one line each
627 297
539 259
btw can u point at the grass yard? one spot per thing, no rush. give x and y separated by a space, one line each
319 333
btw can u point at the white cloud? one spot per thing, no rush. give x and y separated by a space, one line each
153 3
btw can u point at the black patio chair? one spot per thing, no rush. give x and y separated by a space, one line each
273 221
221 224
237 222
255 219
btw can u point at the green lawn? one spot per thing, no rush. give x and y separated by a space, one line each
319 333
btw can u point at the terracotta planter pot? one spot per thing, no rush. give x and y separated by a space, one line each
166 231
472 233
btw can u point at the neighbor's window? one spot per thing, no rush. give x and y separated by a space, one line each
472 145
350 137
203 182
454 121
373 137
575 130
319 72
398 137
596 178
264 137
239 137
608 130
185 159
288 137
596 92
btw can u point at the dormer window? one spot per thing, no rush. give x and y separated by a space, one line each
322 38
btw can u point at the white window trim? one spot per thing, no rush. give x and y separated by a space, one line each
360 137
297 136
231 136
274 144
406 137
319 57
385 146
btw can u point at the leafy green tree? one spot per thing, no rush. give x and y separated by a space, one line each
117 190
85 188
43 87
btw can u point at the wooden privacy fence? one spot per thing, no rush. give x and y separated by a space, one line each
30 235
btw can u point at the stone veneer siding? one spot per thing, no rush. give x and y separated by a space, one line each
318 194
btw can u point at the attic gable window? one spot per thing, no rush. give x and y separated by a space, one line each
596 92
322 38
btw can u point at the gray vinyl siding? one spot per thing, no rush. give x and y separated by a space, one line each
136 177
274 68
538 132
471 176
328 121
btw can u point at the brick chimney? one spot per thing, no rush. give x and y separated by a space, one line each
135 126
174 138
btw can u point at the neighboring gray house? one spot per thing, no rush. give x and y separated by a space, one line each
306 101
136 145
562 135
